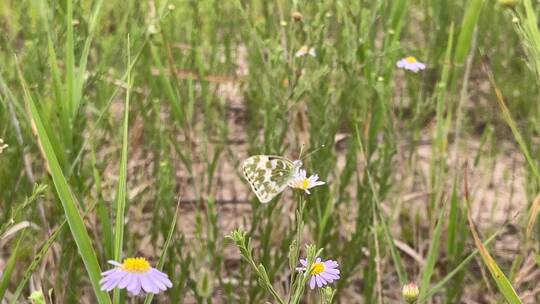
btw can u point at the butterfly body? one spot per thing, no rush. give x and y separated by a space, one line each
269 175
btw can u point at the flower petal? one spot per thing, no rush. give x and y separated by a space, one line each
319 281
115 263
113 281
134 286
108 272
331 264
332 270
126 280
148 285
162 277
156 279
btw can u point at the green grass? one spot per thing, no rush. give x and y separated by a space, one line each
114 111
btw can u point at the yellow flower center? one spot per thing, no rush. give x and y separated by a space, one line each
136 265
411 59
317 268
305 184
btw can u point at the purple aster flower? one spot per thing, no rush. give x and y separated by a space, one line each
302 182
322 273
135 275
411 63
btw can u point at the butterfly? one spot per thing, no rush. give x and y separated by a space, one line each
269 175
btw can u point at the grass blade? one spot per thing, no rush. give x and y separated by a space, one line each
464 41
496 273
507 116
10 267
68 200
433 253
533 216
121 193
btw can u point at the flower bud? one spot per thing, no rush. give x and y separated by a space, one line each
410 292
297 16
328 294
37 297
205 286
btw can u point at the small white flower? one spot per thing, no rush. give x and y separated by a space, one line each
2 146
302 182
411 63
305 50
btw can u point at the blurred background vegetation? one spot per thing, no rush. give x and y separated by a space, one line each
207 83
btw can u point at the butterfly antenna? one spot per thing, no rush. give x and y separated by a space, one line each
301 151
315 150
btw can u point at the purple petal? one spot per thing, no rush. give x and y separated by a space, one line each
104 282
332 271
132 282
318 260
106 273
162 277
312 282
319 281
134 286
159 273
157 281
113 280
148 285
303 262
110 285
126 280
329 277
331 264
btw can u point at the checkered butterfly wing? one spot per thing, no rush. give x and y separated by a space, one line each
268 175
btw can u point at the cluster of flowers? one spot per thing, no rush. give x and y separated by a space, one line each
322 272
137 276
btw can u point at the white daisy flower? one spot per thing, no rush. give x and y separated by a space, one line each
411 63
302 182
2 146
305 50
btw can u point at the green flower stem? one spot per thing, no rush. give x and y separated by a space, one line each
294 255
243 243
